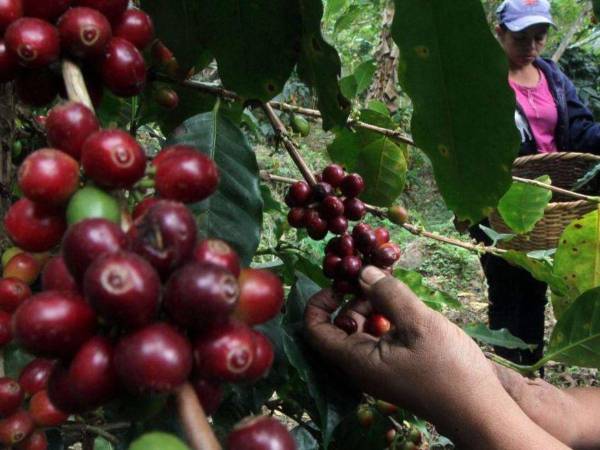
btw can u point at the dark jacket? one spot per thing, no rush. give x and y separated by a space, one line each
576 129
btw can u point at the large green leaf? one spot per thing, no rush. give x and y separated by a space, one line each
334 7
234 212
502 337
576 336
577 258
431 297
346 19
523 205
319 66
255 43
456 76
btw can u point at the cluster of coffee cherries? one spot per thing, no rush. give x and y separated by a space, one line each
106 36
329 206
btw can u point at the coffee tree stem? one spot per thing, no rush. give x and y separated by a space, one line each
199 432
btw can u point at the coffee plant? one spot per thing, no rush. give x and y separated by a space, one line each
134 300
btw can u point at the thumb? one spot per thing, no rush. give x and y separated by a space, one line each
395 300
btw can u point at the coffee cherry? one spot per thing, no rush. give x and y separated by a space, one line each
123 288
260 433
377 325
352 185
11 396
9 64
390 436
382 235
53 324
48 176
161 53
365 240
156 358
189 176
333 174
315 225
299 194
37 87
90 202
123 68
135 26
88 239
261 296
386 408
354 209
165 236
218 253
113 159
10 10
398 215
296 217
44 413
209 393
69 125
12 293
35 375
321 190
35 42
345 246
35 441
143 206
56 276
167 98
263 357
365 416
331 207
23 267
224 352
5 329
110 8
198 295
33 227
385 255
349 267
15 428
331 265
338 225
84 32
346 323
45 9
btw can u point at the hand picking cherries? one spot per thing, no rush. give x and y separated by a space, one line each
329 206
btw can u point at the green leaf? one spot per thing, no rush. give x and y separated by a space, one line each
523 205
234 212
364 76
596 4
349 86
334 7
502 337
270 204
575 339
431 297
255 43
494 236
319 66
345 148
14 360
295 262
463 106
304 440
158 441
540 269
377 106
102 444
576 259
346 19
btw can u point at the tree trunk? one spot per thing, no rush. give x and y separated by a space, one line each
385 81
7 135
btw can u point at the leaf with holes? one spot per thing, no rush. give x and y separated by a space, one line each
523 205
576 336
463 118
577 258
319 66
234 211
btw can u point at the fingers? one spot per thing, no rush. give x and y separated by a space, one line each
358 309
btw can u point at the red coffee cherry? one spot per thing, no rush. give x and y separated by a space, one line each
343 246
156 358
143 206
33 227
48 176
338 225
398 215
260 433
299 194
56 276
263 357
161 53
48 10
218 253
110 8
297 217
385 407
377 325
84 32
331 207
135 26
321 190
11 396
123 68
35 441
346 323
210 394
69 125
167 98
333 174
188 176
365 416
352 185
5 329
9 64
35 375
44 413
10 10
15 428
385 255
382 235
354 209
331 264
349 267
224 352
53 324
124 288
23 267
113 159
12 293
35 42
315 225
261 296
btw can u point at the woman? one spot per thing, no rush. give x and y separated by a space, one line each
550 117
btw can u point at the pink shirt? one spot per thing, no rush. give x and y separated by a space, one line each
539 107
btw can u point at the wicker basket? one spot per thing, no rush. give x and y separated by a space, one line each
564 170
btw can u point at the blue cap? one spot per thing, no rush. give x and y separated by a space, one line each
517 15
